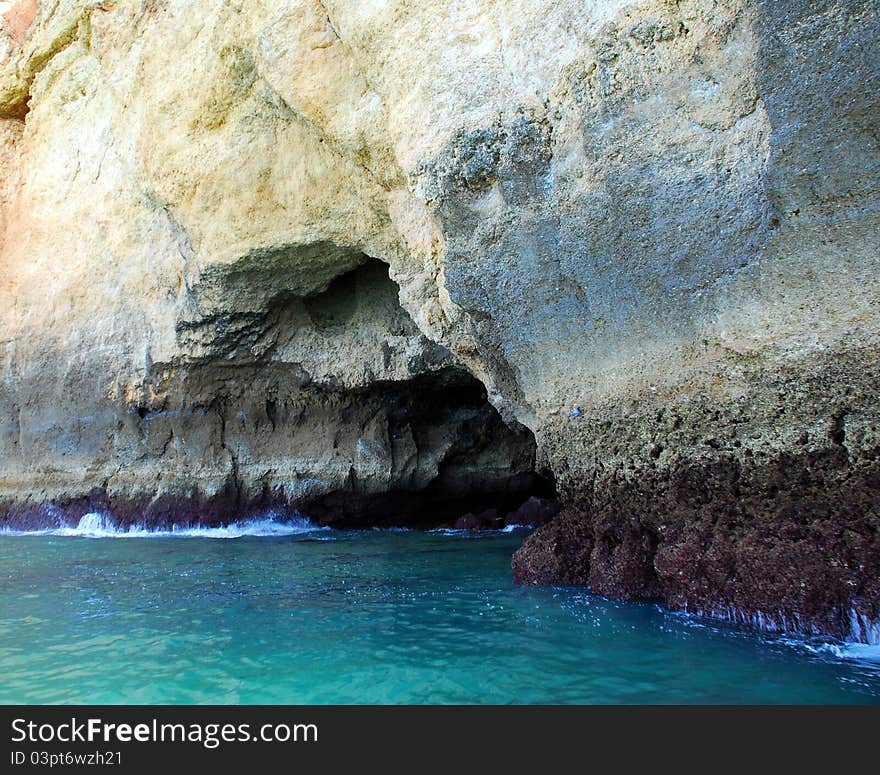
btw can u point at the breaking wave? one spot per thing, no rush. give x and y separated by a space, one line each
454 531
94 525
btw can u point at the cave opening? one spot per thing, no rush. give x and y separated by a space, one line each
453 463
446 456
330 403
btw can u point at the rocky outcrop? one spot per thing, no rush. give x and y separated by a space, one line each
759 507
362 258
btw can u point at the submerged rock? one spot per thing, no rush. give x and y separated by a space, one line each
485 520
408 261
534 512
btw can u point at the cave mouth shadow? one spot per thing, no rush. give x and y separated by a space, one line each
485 478
453 460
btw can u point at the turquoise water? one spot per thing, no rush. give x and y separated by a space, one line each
364 617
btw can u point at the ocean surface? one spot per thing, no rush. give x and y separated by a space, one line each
283 613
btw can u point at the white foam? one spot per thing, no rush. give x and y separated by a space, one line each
455 531
860 652
862 643
95 525
853 652
863 629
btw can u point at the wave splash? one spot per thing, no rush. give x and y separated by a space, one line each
862 644
95 525
467 532
863 653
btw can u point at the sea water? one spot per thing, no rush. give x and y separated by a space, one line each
279 612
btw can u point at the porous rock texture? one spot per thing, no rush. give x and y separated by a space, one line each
363 257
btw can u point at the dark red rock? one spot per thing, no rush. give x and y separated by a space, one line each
485 520
534 512
795 540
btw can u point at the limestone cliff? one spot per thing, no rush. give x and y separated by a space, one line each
329 254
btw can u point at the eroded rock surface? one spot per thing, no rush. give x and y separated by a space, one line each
278 252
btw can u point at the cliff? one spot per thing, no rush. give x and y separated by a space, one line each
362 257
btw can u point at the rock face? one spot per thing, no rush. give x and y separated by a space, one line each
369 259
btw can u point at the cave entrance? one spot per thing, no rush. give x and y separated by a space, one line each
331 402
452 462
430 450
